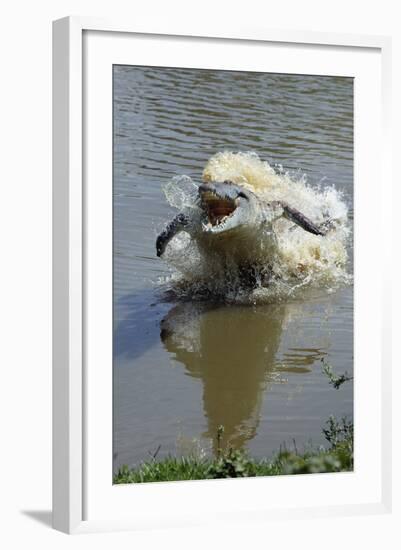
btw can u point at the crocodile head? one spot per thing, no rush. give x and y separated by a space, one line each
227 207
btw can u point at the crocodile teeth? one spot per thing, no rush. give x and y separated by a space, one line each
207 226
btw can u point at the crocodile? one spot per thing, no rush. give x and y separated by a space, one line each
232 219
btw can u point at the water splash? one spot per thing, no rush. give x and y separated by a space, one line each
298 261
181 193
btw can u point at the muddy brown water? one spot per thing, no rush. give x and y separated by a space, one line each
182 369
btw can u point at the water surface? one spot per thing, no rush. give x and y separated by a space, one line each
183 369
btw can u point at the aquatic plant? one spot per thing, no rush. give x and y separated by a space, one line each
334 380
232 463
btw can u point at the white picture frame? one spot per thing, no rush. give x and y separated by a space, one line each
72 329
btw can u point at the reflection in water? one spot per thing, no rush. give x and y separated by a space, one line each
299 359
233 350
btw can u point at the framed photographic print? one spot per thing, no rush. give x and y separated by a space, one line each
219 275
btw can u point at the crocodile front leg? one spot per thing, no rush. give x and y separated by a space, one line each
175 226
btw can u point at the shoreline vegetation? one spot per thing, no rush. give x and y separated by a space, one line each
231 463
338 456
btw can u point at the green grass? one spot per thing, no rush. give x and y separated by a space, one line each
230 463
